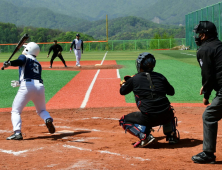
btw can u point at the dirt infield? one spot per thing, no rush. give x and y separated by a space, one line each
91 138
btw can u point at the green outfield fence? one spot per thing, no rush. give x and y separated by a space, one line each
111 45
210 13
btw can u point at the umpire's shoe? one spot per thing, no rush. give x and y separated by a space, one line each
204 158
50 125
15 137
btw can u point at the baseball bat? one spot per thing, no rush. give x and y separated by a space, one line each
18 46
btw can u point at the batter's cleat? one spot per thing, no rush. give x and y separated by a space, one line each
143 143
65 66
50 125
15 137
50 66
204 158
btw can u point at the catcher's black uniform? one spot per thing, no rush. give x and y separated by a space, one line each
56 48
154 105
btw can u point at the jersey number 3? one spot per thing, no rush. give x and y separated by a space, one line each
35 68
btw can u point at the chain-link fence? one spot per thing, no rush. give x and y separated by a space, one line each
112 45
210 13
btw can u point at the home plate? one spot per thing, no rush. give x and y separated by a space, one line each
64 131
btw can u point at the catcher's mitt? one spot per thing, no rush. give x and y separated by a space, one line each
124 80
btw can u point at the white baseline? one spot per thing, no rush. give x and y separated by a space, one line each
83 105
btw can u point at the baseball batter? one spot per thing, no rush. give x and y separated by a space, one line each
77 45
31 88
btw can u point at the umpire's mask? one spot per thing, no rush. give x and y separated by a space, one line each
205 27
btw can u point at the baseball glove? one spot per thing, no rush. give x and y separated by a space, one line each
59 54
124 80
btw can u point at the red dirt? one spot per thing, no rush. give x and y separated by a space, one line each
91 138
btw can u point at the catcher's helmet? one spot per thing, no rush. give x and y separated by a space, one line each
205 27
32 49
145 61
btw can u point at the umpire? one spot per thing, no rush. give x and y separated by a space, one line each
150 90
57 51
209 56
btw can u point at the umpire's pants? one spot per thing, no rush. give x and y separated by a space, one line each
211 116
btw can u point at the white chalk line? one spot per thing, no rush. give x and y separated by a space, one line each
118 75
86 98
188 54
80 164
107 152
52 165
104 58
71 128
18 152
83 105
5 131
82 149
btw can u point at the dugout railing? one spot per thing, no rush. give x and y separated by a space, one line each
111 45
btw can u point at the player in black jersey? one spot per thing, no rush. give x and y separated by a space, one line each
150 90
57 51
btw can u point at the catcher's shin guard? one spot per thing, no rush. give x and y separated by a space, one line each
134 129
172 134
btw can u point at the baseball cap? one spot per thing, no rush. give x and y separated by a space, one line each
78 35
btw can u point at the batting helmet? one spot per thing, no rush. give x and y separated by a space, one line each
205 27
145 61
31 48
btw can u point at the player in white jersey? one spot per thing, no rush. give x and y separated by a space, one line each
31 89
77 46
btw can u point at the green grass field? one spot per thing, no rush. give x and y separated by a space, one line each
180 67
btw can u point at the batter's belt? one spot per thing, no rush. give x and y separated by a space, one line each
33 80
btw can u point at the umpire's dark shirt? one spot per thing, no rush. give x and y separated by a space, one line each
56 48
209 56
140 85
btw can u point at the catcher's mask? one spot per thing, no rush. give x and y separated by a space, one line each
145 61
205 27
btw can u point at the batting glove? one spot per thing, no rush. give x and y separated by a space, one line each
15 83
6 64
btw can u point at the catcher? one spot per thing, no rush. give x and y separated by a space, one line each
57 51
150 90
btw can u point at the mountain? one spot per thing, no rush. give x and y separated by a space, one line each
129 27
126 28
159 11
36 17
88 9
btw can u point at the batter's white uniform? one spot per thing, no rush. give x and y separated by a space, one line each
78 45
31 89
